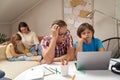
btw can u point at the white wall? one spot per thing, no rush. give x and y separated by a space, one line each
117 13
41 17
117 9
5 29
104 25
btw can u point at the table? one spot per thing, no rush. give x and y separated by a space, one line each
38 71
84 75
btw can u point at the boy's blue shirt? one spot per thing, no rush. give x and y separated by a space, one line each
95 45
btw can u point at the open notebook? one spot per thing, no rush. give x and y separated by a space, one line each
38 73
34 74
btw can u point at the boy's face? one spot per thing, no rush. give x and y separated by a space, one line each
87 34
62 34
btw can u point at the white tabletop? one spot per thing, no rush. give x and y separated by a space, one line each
38 71
97 75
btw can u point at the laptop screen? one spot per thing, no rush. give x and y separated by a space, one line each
93 60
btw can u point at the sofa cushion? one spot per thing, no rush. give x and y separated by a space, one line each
2 52
13 69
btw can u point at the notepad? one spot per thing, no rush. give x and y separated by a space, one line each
35 74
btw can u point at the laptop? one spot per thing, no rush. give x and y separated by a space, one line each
93 60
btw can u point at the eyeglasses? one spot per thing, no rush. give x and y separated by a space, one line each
63 35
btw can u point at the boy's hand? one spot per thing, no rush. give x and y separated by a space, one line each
85 40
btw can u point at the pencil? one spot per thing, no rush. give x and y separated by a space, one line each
74 77
49 69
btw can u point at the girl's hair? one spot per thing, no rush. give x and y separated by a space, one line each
84 26
14 38
60 23
23 24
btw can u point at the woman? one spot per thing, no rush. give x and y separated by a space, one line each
29 39
87 41
13 54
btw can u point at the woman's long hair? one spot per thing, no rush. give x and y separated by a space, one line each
23 24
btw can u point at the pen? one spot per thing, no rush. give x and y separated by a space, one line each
49 69
62 62
52 68
67 62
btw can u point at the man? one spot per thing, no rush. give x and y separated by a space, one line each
59 45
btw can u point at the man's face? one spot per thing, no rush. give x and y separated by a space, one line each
62 34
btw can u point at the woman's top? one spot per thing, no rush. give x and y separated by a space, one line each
29 39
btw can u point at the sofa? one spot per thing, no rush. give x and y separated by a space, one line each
13 69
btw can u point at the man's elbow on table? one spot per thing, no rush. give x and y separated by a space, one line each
71 57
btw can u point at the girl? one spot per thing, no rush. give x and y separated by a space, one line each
87 41
13 54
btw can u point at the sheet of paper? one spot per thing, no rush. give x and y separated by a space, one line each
76 25
70 21
34 74
68 10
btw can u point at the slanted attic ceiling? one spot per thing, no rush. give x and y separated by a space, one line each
10 10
